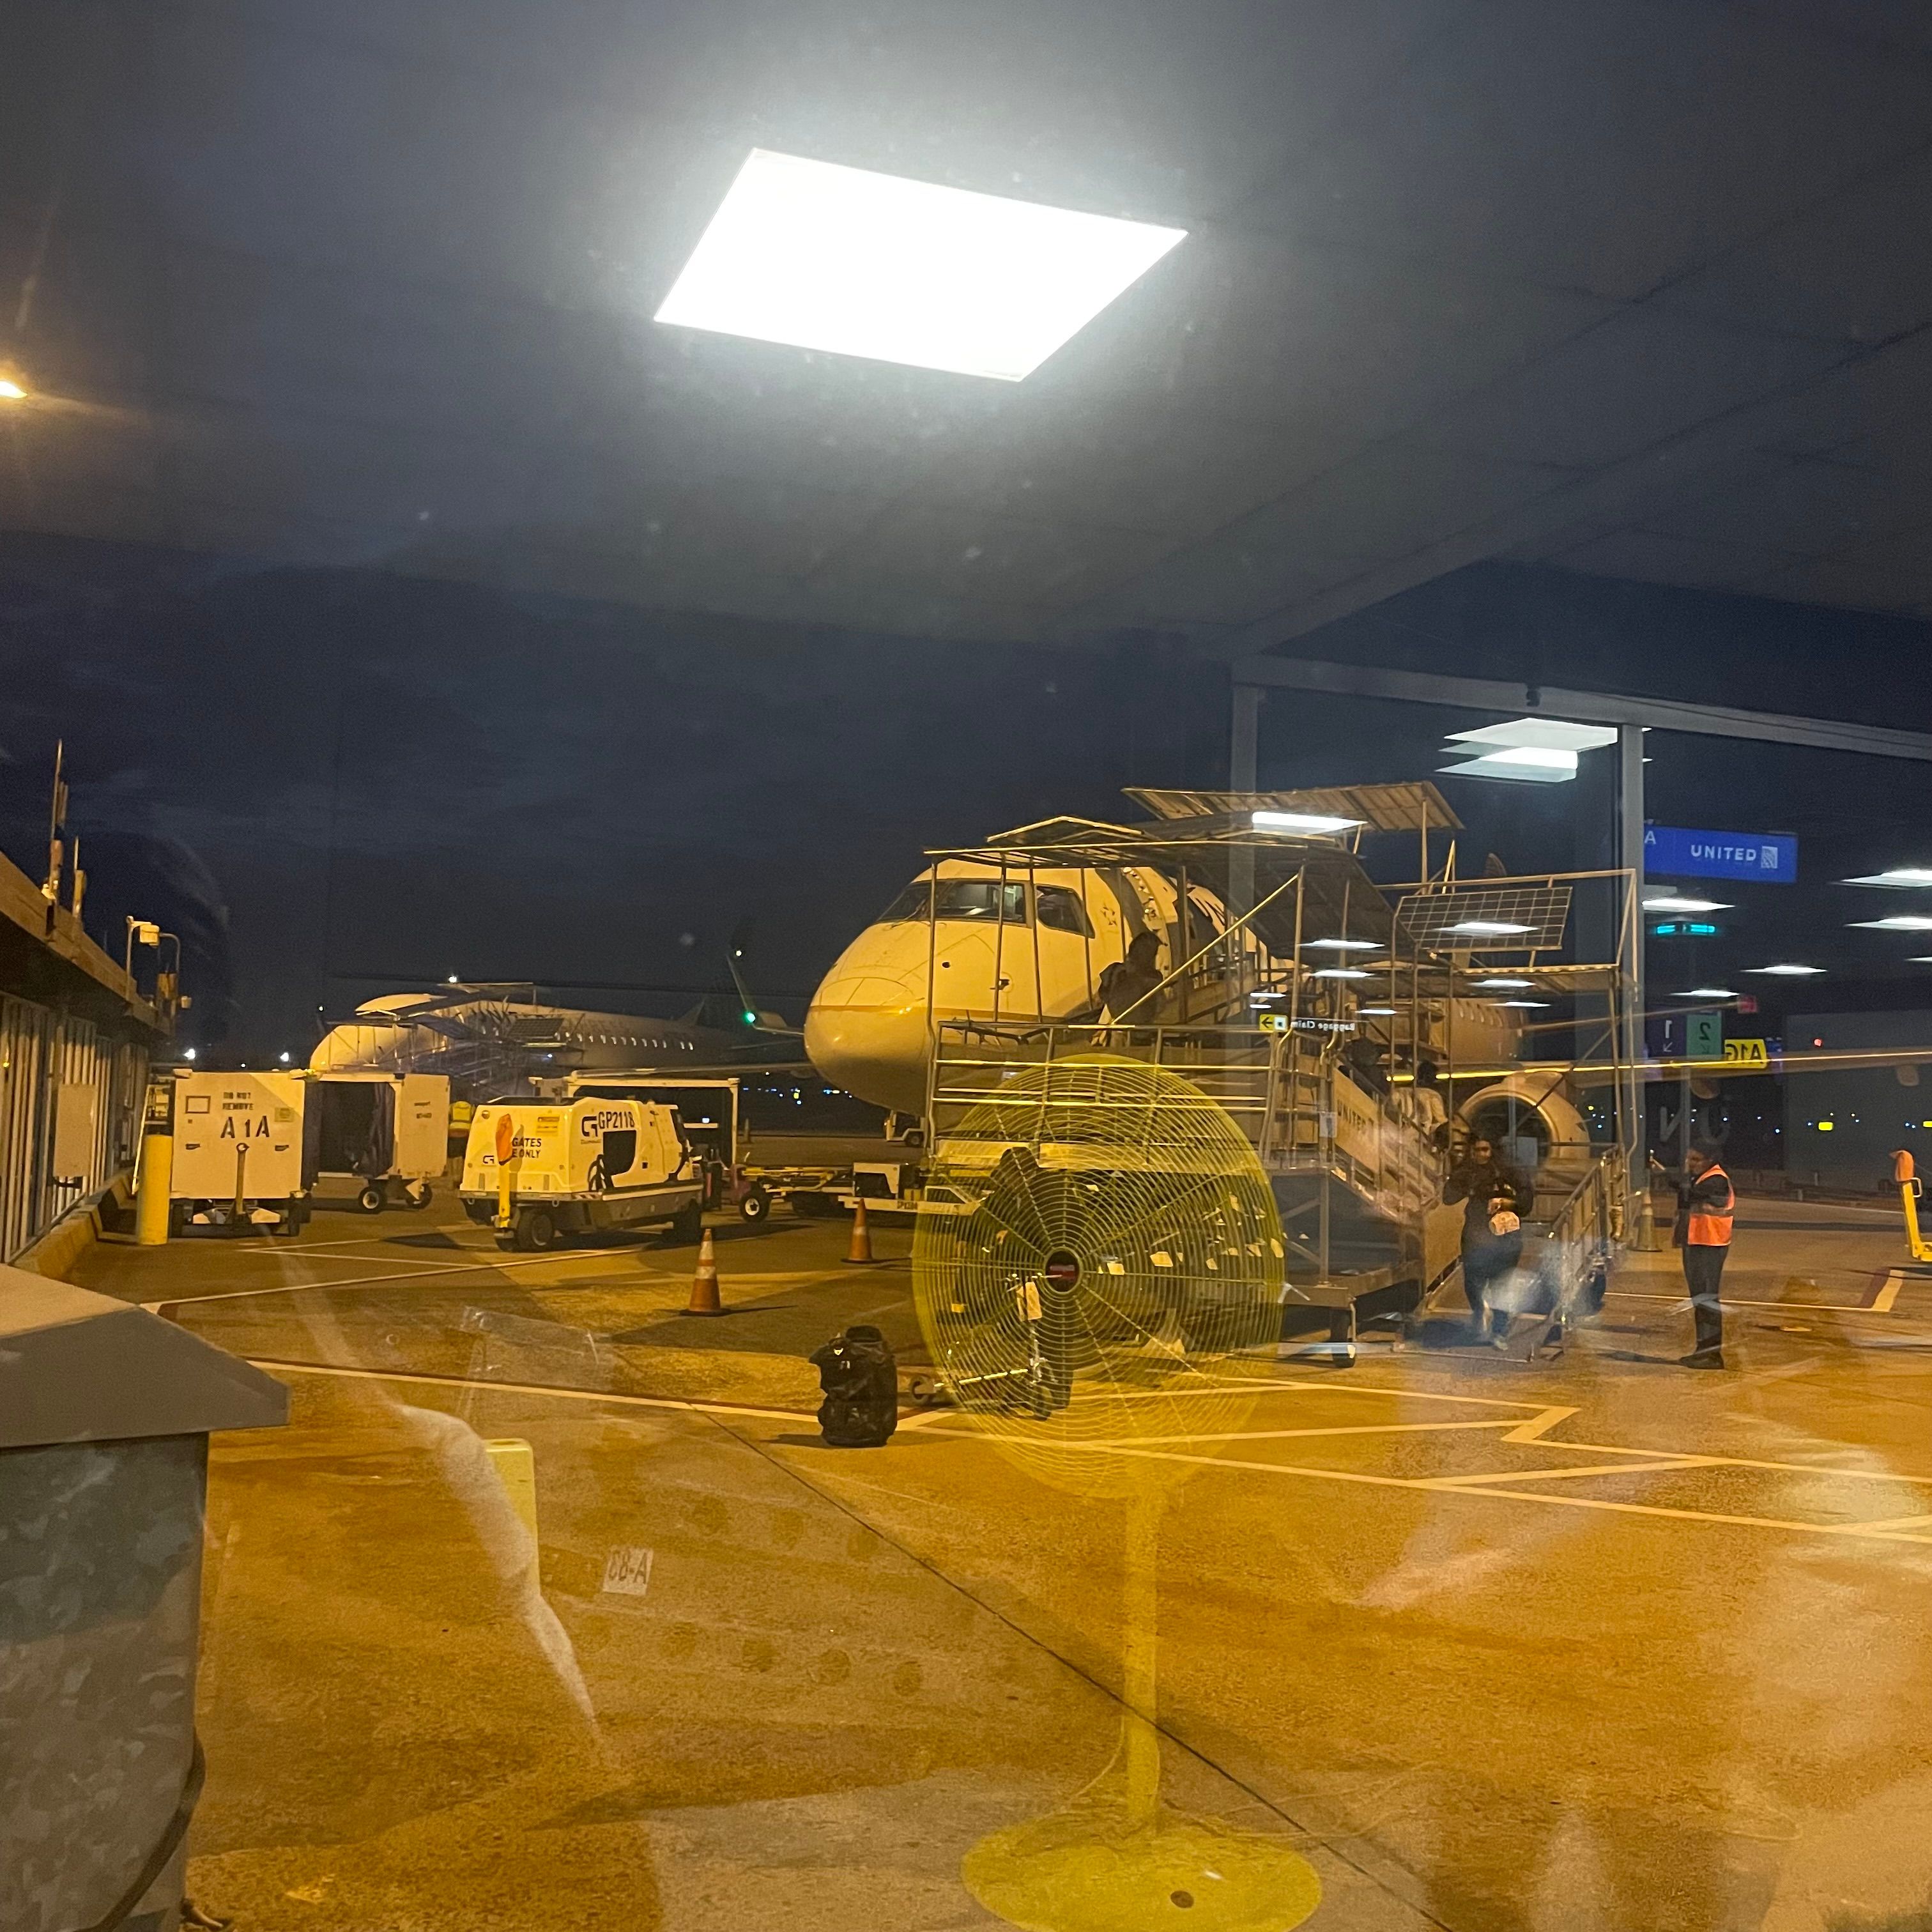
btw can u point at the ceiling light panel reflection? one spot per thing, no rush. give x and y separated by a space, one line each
820 257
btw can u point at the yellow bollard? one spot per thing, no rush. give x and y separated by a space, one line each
1903 1172
150 1192
516 1467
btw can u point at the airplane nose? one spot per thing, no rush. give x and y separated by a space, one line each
878 1052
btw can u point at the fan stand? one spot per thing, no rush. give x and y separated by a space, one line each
1116 1859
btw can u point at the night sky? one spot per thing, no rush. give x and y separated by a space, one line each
336 782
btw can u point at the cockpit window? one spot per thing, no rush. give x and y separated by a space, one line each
960 899
910 904
1060 907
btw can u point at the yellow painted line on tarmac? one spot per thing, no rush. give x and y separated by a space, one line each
1285 1434
362 1281
1445 1486
269 1364
1736 1301
1584 1469
1881 1302
1535 1429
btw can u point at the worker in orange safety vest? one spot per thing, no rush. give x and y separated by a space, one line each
1706 1203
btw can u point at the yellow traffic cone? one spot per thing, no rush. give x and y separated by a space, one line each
859 1254
704 1287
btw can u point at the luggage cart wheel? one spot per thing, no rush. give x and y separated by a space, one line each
416 1194
756 1206
373 1199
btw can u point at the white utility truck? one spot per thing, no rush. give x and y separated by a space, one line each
368 1135
238 1152
536 1171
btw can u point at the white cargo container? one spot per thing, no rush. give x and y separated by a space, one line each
576 1166
237 1150
372 1134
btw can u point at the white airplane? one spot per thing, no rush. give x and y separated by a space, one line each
965 943
492 1040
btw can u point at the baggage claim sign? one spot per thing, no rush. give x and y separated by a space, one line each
1675 851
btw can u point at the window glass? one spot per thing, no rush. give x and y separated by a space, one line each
982 898
960 899
910 904
1060 908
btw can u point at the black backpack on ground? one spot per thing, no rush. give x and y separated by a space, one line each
860 1379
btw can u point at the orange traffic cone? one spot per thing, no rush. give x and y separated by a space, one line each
704 1287
859 1254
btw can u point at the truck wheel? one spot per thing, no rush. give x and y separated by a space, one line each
536 1231
687 1228
756 1206
416 1194
373 1199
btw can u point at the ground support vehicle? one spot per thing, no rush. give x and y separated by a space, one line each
540 1171
237 1153
375 1137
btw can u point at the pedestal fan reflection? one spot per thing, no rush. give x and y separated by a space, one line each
1116 1279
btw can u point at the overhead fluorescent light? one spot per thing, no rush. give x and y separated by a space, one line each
1896 875
1552 734
1342 972
822 256
1705 993
1787 972
1676 902
1502 986
1899 922
1530 764
1307 822
1526 1004
1381 1012
1346 945
1499 926
11 390
1533 751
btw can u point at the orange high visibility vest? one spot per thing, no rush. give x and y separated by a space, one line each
1710 1227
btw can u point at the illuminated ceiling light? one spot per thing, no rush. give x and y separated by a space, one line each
1504 985
1346 945
1788 972
1526 1005
1896 875
1342 972
1535 751
1705 993
10 391
821 256
1550 734
1899 922
1498 926
1305 823
1382 1013
1531 764
1676 902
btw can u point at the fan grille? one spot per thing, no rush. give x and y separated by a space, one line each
1107 1274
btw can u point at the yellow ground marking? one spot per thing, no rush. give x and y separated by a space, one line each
358 1281
1496 1482
1583 1469
1738 1301
600 1258
273 1367
1882 1301
1284 1435
1532 1431
1446 1486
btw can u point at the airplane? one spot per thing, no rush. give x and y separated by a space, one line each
494 1039
1009 947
